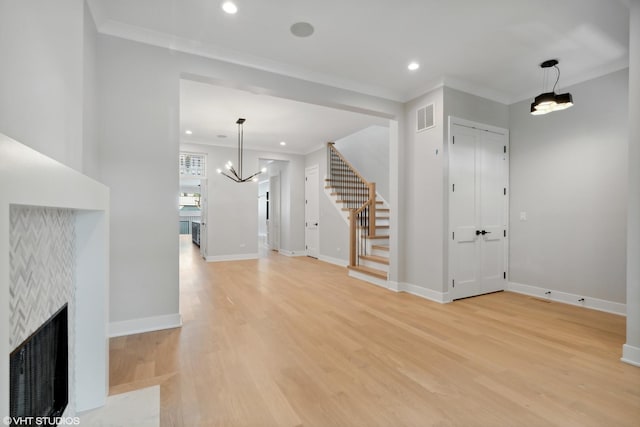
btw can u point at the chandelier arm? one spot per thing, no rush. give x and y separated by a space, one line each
230 177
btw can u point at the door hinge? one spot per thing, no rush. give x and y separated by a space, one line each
505 233
306 201
454 140
505 148
453 283
504 275
453 235
505 191
306 247
453 188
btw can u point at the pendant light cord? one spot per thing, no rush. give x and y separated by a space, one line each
557 79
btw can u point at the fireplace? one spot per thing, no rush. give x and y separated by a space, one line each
39 373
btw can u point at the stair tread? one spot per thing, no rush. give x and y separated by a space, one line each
380 247
370 271
382 227
377 237
378 202
375 258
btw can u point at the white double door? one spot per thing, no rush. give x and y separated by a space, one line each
478 210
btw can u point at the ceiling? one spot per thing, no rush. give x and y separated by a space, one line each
490 48
210 112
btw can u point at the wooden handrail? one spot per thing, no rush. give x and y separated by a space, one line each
354 170
369 218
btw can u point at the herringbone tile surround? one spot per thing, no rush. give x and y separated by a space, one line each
41 272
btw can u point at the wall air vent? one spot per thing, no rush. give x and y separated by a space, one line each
425 118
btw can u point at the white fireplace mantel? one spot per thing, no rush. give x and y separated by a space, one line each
30 178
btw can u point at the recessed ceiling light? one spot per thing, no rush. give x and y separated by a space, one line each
413 66
188 132
302 29
229 7
283 143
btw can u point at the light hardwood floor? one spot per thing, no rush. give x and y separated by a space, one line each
295 342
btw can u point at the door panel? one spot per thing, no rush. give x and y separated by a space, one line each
204 219
463 212
478 211
273 224
311 211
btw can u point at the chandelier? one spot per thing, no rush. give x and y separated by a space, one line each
236 174
548 102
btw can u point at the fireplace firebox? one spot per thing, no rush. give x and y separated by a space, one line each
39 373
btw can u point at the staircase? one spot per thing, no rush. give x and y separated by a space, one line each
367 215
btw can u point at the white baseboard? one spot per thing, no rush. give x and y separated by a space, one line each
631 355
145 324
332 260
292 253
430 294
236 257
567 298
393 286
365 277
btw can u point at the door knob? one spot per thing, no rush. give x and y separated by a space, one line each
477 232
483 232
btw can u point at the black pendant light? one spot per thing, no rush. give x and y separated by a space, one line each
236 175
548 102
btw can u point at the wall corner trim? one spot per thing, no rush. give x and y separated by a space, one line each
285 252
332 260
631 355
567 298
231 257
145 324
430 294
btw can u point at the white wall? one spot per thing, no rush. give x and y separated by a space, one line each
334 231
368 151
569 174
41 76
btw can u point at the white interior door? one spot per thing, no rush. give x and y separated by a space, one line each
204 201
273 223
312 212
478 176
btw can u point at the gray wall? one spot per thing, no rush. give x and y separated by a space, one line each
138 104
138 136
41 76
569 174
421 198
631 350
368 151
465 106
334 232
233 208
90 151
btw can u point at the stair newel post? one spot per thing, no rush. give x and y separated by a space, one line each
372 209
329 162
352 237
